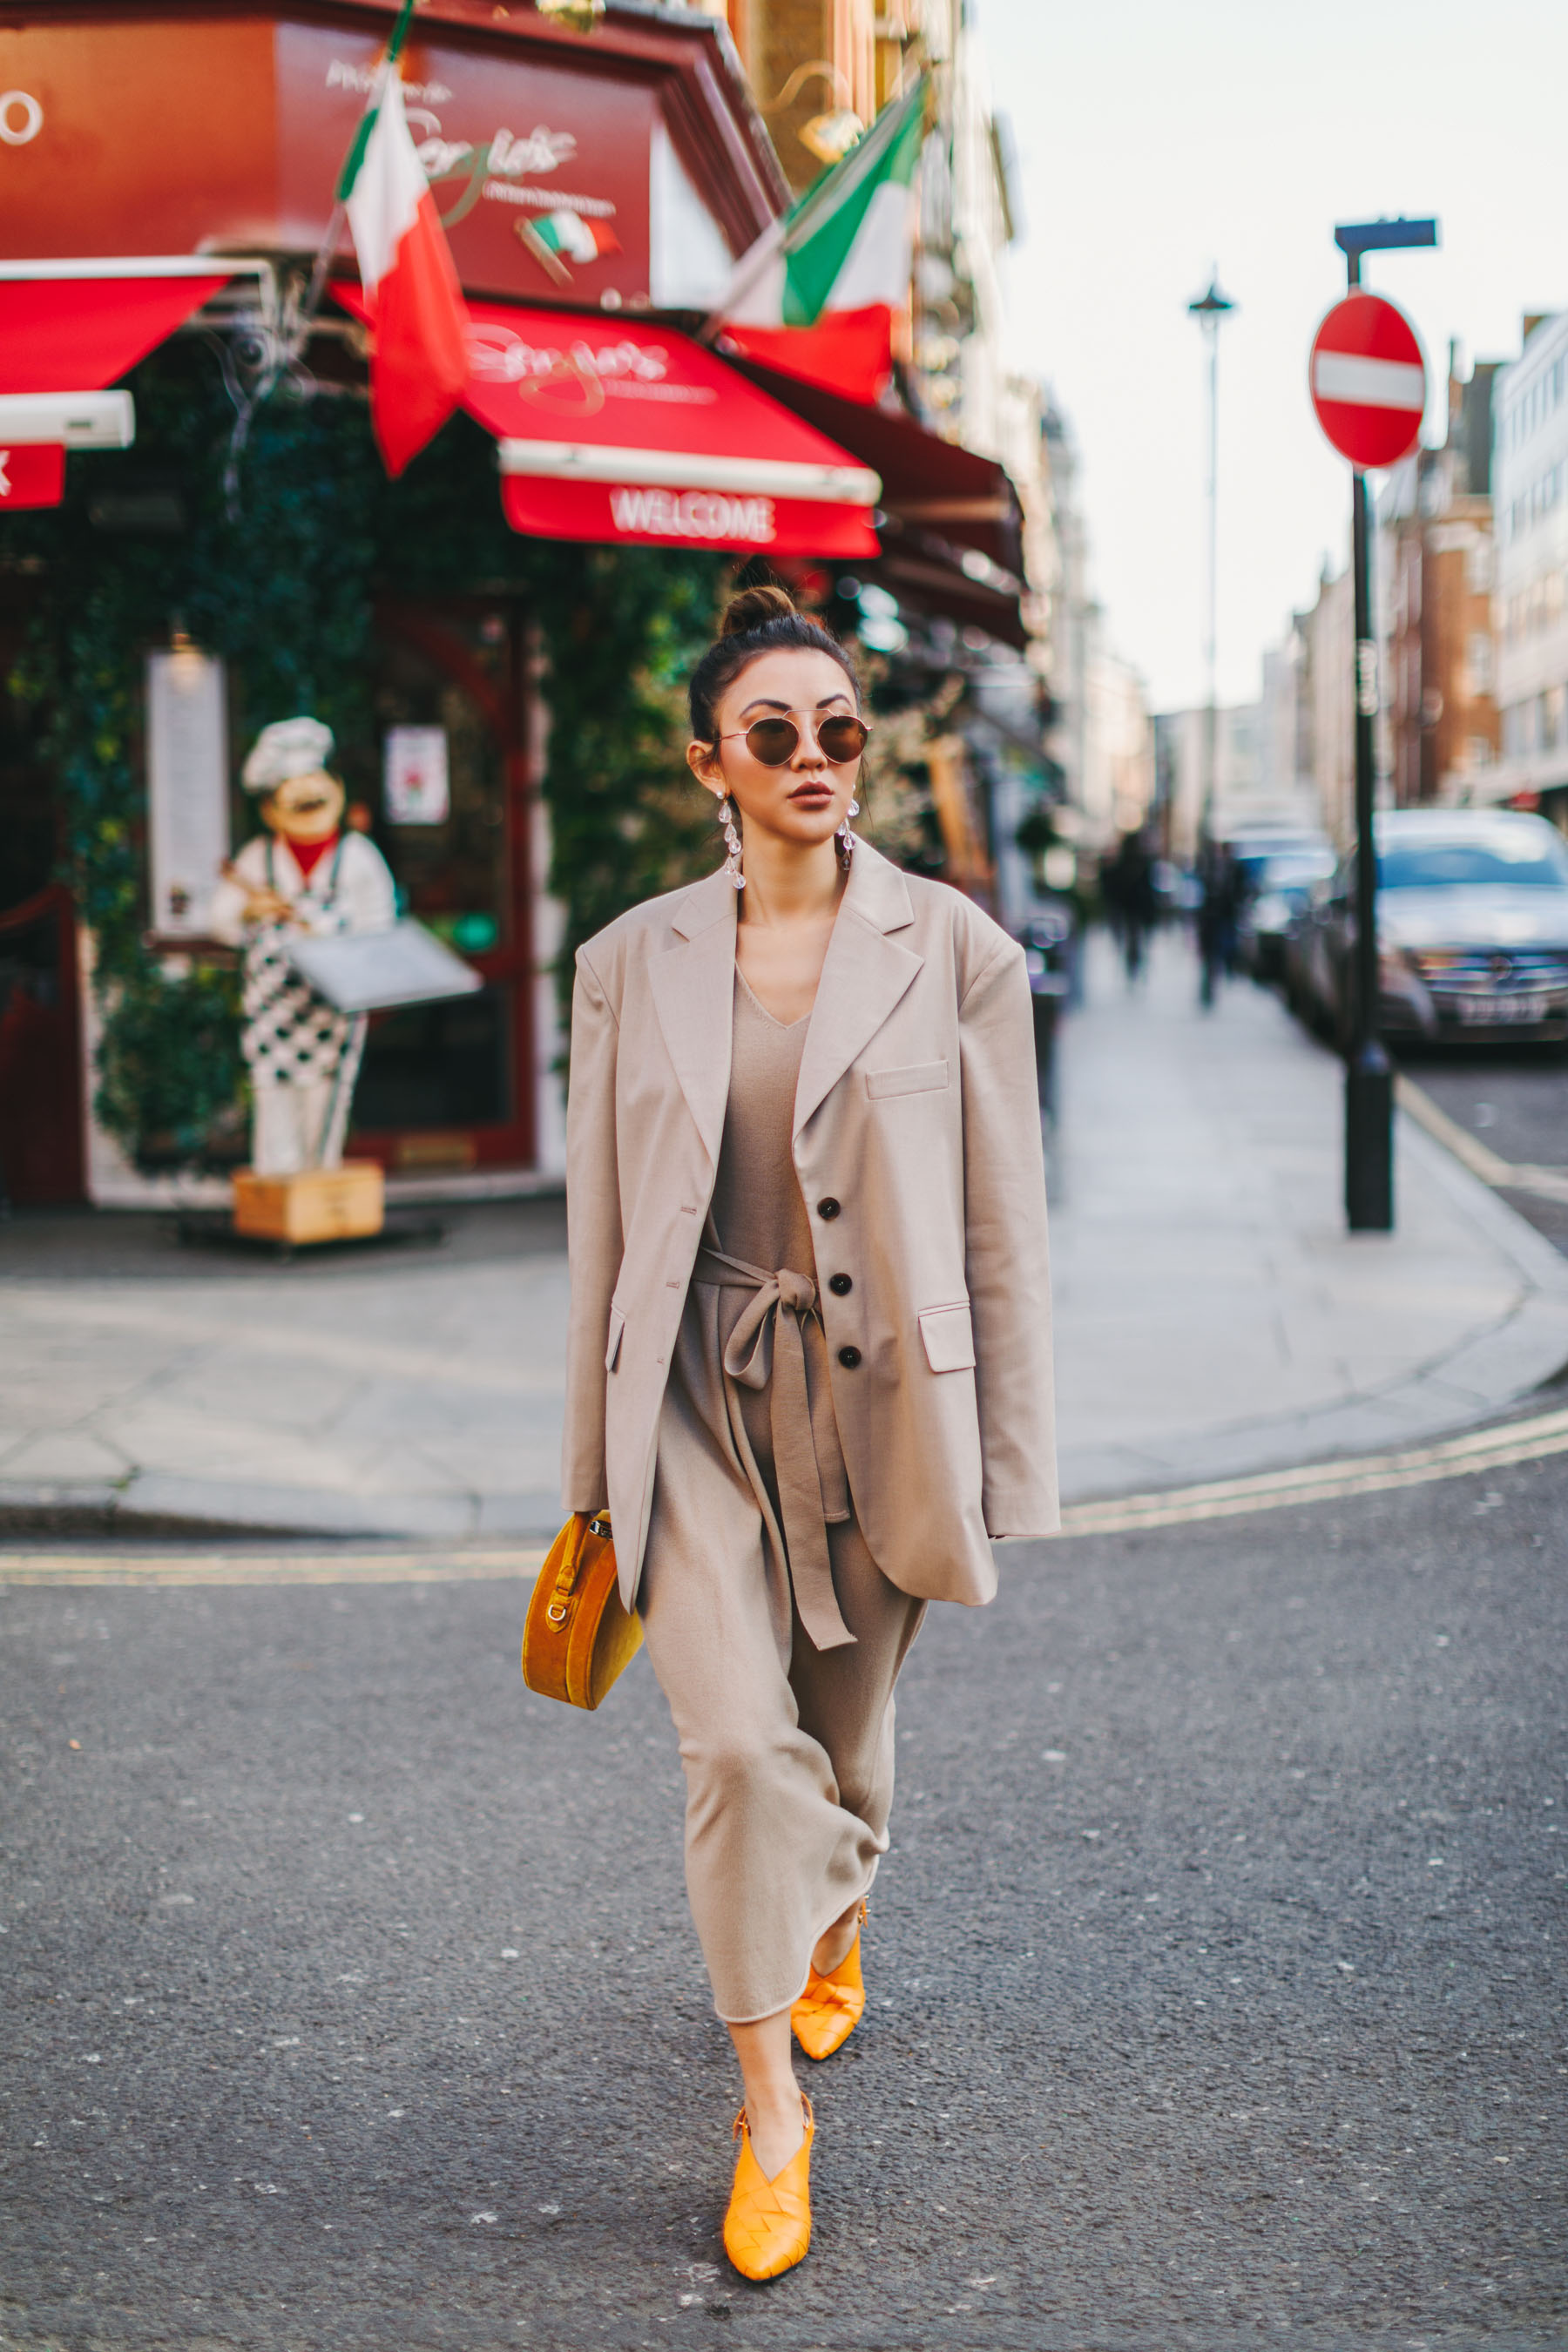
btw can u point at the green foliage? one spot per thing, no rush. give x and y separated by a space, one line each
628 819
174 1066
284 589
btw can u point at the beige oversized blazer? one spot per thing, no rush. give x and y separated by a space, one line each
917 1143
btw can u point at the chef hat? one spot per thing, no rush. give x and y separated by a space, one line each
290 747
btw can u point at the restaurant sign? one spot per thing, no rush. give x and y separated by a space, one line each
230 134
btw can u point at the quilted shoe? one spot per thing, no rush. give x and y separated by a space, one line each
832 2006
768 2226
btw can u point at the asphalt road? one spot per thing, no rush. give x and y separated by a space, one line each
1516 1103
1215 1976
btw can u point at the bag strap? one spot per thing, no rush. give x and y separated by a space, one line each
556 1610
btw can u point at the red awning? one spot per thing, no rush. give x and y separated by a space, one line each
67 330
615 430
929 486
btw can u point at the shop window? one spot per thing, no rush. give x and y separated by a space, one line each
439 1066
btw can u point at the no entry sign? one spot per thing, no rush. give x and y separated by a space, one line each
1368 381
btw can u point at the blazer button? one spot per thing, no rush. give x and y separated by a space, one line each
848 1358
840 1285
828 1208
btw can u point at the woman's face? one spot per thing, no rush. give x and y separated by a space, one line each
806 800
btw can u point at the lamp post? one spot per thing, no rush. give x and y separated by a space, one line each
1369 1074
1208 311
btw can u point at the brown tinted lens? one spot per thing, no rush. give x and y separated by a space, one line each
773 741
842 739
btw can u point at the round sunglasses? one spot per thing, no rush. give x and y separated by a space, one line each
773 743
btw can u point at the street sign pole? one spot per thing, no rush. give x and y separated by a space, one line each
1369 1074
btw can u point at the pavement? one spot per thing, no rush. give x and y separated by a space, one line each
1213 1316
1214 1974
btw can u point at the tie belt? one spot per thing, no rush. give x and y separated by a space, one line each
813 1486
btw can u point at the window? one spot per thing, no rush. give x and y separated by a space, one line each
1536 859
1479 661
1478 566
1479 751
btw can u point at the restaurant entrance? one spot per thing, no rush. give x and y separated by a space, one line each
450 1087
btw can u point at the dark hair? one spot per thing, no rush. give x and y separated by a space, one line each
761 620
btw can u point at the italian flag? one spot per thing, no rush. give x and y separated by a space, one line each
566 237
815 297
419 361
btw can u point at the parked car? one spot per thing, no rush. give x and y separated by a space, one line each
1278 880
1472 925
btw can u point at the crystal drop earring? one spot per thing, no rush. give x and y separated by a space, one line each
732 843
846 838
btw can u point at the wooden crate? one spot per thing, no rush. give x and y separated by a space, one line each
322 1204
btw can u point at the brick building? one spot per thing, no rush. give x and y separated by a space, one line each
1435 569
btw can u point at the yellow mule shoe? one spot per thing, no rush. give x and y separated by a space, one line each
832 2006
768 2226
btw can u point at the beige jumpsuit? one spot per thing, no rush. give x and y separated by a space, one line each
774 1635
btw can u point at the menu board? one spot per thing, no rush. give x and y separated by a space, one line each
187 786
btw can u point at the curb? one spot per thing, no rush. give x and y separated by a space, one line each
1492 1369
152 1504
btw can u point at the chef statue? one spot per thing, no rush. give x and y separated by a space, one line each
305 873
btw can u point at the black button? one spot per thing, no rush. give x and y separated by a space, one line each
841 1286
848 1358
828 1208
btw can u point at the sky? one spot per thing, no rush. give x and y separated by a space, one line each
1159 137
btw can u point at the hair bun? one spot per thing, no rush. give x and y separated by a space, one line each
753 607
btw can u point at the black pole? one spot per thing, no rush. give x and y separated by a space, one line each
1369 1079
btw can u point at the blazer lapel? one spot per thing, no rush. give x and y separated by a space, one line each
693 992
864 975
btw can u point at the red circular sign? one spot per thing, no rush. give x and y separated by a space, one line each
1368 381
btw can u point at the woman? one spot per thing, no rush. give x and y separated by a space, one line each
809 1352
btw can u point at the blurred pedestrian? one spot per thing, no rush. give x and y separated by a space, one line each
1219 904
809 1355
1129 887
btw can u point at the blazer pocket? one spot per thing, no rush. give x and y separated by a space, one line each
617 1324
916 1078
949 1337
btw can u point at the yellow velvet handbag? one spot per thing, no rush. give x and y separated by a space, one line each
579 1635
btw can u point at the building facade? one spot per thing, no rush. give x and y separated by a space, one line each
1243 794
1530 484
1440 723
1327 688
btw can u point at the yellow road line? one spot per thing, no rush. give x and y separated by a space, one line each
1319 1482
1323 1482
1503 1175
268 1568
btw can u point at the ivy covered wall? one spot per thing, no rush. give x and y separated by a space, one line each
283 588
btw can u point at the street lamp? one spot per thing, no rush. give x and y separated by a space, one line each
1208 311
1369 1076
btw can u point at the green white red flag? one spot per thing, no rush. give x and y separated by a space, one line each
815 295
564 237
418 321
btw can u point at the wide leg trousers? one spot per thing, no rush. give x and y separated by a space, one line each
788 1751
